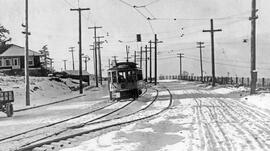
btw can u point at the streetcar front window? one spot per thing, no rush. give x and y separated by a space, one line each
122 77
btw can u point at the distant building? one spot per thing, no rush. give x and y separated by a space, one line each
12 57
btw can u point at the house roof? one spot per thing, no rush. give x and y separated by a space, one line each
76 72
15 50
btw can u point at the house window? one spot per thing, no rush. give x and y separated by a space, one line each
8 62
31 61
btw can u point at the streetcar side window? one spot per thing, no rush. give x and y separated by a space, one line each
114 78
139 75
109 76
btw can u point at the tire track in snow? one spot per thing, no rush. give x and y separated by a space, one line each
208 133
255 136
228 142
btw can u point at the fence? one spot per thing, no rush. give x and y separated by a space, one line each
242 81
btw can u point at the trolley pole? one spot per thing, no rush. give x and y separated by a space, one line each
114 59
80 45
127 52
253 48
212 31
135 56
201 46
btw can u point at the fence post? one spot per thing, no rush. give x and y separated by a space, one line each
263 82
236 80
247 81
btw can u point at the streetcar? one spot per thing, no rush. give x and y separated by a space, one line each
125 81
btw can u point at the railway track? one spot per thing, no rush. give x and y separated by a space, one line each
66 136
25 135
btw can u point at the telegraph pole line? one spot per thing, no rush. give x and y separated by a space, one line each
253 48
95 49
65 65
80 45
180 55
94 59
86 59
99 58
71 49
212 31
26 57
200 45
150 58
156 42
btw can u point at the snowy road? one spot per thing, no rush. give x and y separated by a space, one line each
200 119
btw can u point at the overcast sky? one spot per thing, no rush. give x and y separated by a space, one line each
51 22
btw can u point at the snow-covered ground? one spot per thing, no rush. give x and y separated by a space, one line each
42 89
259 100
202 118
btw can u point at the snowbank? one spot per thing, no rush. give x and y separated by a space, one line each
261 100
228 90
42 89
167 80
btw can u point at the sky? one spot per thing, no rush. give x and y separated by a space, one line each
178 23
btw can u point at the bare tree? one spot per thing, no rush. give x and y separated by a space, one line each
4 35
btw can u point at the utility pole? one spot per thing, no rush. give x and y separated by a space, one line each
253 48
95 47
26 57
146 57
150 58
156 42
65 65
94 59
201 46
141 58
180 55
99 58
80 45
86 59
212 31
71 49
